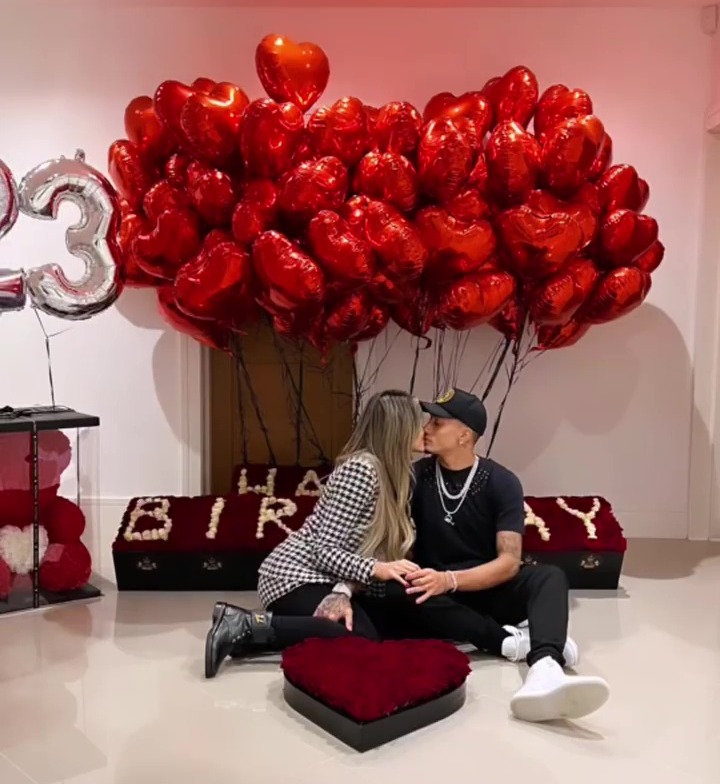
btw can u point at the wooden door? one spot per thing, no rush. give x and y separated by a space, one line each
254 405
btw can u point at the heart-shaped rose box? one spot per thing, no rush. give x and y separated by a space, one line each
367 693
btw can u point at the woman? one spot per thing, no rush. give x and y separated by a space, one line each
359 532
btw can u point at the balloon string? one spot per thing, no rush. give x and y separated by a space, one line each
48 354
497 368
297 391
299 406
512 378
241 408
255 403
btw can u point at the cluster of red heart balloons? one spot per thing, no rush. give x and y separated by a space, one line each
448 218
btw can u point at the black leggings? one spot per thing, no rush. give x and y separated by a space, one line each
293 619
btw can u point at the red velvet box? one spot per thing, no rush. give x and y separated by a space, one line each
171 543
367 694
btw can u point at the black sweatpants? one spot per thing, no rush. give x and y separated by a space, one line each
538 594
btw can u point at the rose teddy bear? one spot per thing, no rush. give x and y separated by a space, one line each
65 563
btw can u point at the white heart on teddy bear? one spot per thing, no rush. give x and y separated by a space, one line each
16 547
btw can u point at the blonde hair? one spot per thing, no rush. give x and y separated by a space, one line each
385 433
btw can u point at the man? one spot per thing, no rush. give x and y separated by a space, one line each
469 514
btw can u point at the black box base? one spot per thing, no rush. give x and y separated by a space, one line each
369 735
187 571
585 570
23 600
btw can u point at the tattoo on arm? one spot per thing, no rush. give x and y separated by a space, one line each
332 606
510 543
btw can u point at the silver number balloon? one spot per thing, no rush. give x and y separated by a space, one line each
42 190
12 290
12 282
8 200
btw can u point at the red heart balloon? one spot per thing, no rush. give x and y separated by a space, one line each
625 236
474 299
388 177
143 126
168 102
444 160
129 172
562 295
622 189
204 85
313 186
569 153
397 129
510 320
513 161
455 248
538 245
206 332
545 203
164 196
347 318
553 337
213 196
340 130
211 123
513 96
255 212
469 205
354 211
396 241
173 240
292 280
603 160
652 258
619 292
413 313
557 104
176 168
378 317
217 285
292 72
345 258
472 113
131 225
269 135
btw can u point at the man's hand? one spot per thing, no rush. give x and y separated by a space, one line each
336 607
427 583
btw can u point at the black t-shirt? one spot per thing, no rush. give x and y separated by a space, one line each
493 503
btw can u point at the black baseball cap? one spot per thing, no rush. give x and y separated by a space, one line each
463 406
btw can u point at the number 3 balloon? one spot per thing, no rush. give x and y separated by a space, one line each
42 190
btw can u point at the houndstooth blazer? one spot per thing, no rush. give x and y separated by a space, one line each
325 549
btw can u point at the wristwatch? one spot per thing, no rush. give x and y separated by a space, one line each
343 589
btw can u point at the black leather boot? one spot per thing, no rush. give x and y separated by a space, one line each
235 632
217 610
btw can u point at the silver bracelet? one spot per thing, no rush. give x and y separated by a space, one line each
453 579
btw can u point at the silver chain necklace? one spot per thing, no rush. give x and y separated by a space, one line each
444 493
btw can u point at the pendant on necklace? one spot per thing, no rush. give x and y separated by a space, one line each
449 520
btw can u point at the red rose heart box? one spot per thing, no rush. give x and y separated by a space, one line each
367 693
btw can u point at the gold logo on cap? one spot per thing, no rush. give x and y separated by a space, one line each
446 397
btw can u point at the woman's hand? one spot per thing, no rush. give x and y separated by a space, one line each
394 570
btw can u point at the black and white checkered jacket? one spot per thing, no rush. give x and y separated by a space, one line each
325 549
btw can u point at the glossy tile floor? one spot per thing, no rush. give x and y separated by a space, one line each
113 692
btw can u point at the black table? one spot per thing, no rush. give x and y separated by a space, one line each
32 421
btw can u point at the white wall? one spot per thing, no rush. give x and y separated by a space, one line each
610 416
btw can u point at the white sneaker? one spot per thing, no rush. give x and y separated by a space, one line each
548 694
516 647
